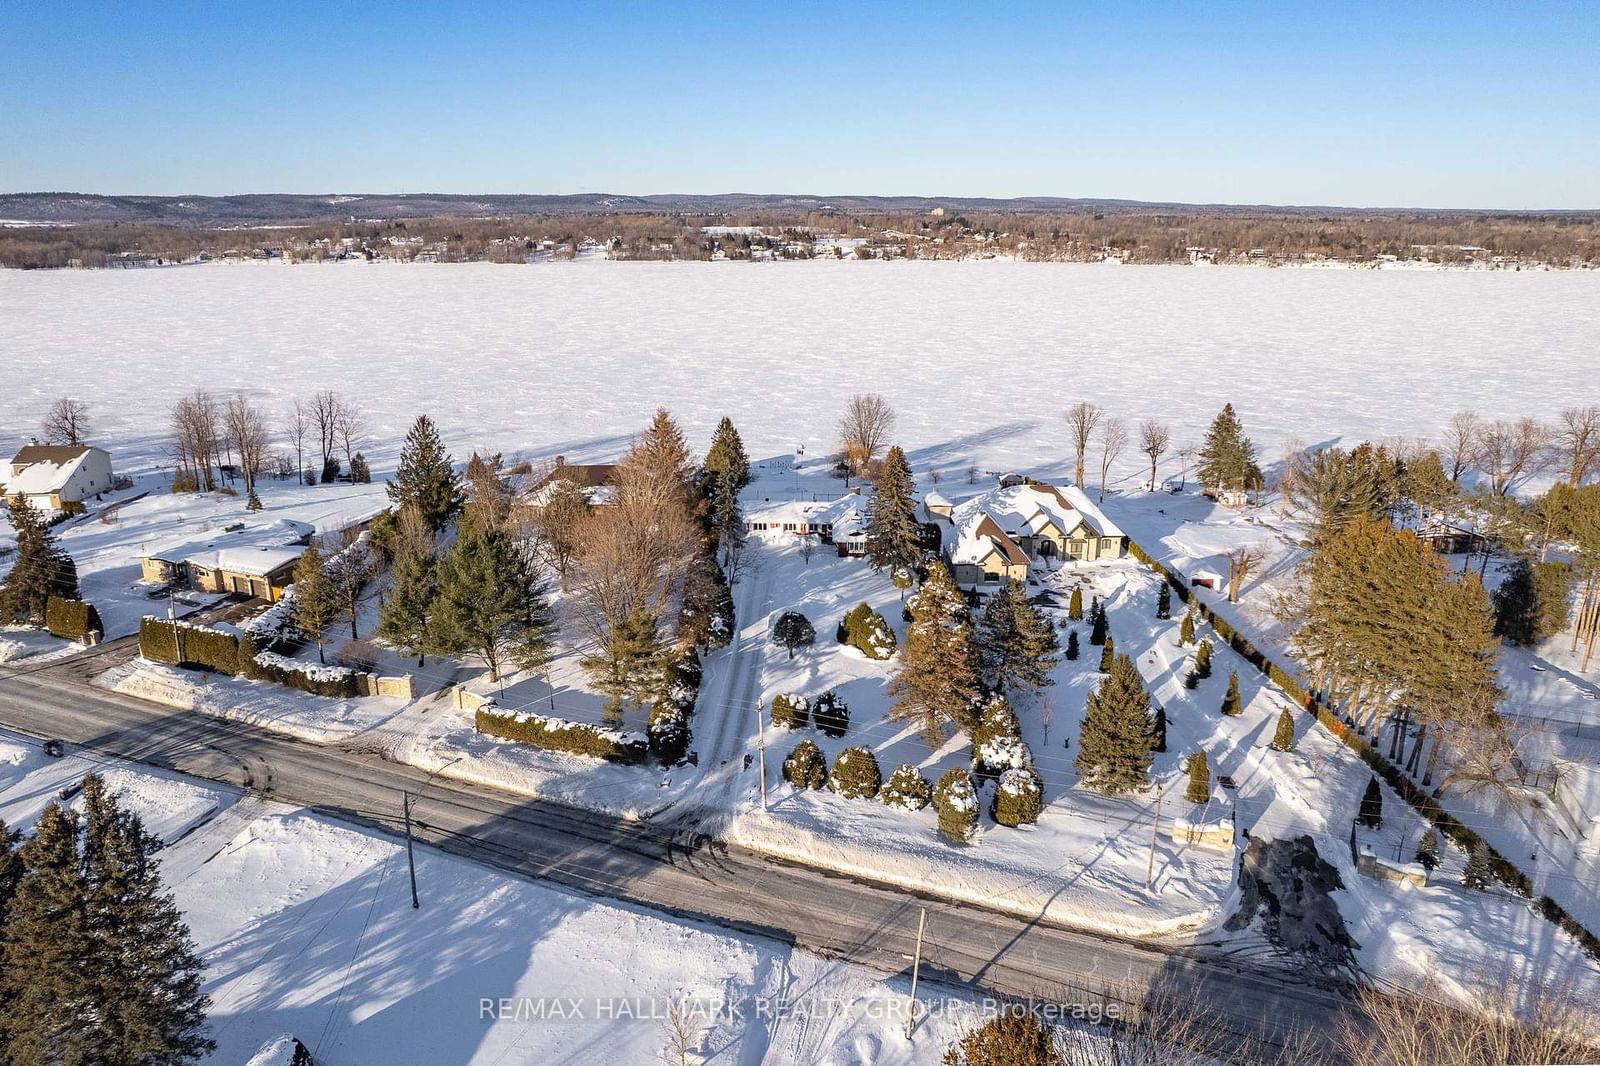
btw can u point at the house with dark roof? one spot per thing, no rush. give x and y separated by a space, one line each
597 481
55 477
1000 533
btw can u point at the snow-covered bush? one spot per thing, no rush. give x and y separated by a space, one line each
995 719
868 632
706 618
806 767
670 713
275 625
831 714
855 774
559 734
790 710
906 789
339 682
1018 797
999 755
957 803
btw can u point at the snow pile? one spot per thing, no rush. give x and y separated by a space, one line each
11 649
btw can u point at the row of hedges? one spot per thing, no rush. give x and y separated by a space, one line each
73 620
334 681
204 648
559 734
668 729
1504 870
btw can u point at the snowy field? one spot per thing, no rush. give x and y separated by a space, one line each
979 358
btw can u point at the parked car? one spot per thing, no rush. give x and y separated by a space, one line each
54 748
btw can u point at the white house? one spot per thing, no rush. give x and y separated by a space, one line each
1001 533
841 522
51 476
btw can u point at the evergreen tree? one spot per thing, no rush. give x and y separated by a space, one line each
906 789
1231 704
956 800
1202 659
727 520
143 964
1199 789
1227 457
403 620
659 461
314 607
40 569
1108 652
1098 622
806 766
360 471
1158 731
793 630
1018 797
1072 645
491 601
727 456
1479 873
1114 742
1371 814
1283 739
48 1008
894 539
488 494
627 664
1010 1038
1186 630
1016 641
1531 603
1164 601
1075 605
855 774
1428 850
938 678
10 867
426 478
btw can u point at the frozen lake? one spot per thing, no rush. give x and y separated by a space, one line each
978 358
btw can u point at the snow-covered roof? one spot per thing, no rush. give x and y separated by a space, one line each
45 469
935 499
1025 510
846 515
255 551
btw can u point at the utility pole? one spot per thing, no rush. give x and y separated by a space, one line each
1155 829
411 859
916 966
761 744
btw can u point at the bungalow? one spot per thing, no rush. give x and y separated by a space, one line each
54 477
246 561
841 522
597 481
1000 533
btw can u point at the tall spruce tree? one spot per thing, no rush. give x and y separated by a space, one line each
1098 622
1186 629
1164 601
1017 644
143 964
426 478
1479 872
727 456
315 606
48 1003
628 666
1227 457
40 569
403 621
491 602
893 537
938 680
727 521
1371 814
1114 742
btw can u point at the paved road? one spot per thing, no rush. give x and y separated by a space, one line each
647 865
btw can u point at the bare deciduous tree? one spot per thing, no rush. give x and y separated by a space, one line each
1512 452
348 573
350 426
1113 438
1082 418
1460 448
1578 437
680 1034
558 518
296 424
325 410
247 431
197 438
864 430
1154 439
1242 562
67 422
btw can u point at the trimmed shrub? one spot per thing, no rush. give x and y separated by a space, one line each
559 734
999 754
1018 798
790 710
957 803
1072 645
1283 739
339 682
868 632
184 644
997 719
1199 789
806 767
1232 706
831 714
855 774
73 619
1202 659
1158 730
906 789
1371 814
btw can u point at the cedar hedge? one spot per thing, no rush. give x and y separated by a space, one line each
73 620
559 734
668 729
790 710
182 644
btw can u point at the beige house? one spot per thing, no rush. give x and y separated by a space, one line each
1001 533
53 477
237 560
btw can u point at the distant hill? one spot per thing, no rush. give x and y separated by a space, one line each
258 208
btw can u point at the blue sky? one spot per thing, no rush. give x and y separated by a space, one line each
1462 104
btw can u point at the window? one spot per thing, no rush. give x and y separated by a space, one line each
991 578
